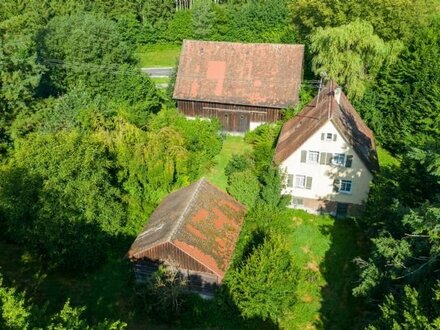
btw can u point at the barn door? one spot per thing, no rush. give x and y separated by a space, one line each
243 125
225 120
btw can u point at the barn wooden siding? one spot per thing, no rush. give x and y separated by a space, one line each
168 252
234 118
198 282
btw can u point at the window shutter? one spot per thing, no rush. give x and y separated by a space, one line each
303 156
336 183
322 136
329 158
335 136
309 182
290 180
322 158
348 160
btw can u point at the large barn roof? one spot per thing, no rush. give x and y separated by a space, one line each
342 114
201 220
267 75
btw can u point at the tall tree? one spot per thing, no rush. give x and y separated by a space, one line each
351 54
403 105
83 49
20 73
203 18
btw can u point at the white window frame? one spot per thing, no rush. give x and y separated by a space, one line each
327 138
311 157
340 156
302 184
343 186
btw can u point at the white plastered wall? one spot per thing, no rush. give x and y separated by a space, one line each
324 175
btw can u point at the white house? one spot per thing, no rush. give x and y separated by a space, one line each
328 155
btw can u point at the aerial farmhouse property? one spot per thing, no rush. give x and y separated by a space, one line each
193 230
328 155
243 85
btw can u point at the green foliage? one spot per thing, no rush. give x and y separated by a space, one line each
402 220
351 54
402 107
244 186
263 140
202 18
70 318
76 201
238 163
391 19
263 285
256 21
180 27
405 313
14 312
82 49
20 72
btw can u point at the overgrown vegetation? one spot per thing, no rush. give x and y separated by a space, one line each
89 147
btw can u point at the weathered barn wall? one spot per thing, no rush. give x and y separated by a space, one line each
234 118
198 282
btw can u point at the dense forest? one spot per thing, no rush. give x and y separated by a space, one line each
89 147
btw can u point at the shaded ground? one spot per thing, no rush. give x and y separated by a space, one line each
323 252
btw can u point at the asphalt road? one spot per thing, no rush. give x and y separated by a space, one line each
158 72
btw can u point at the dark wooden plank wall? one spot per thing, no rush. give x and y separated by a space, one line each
168 252
199 282
234 118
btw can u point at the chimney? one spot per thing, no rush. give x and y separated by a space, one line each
337 93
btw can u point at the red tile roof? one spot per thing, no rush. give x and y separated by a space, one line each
266 75
322 108
201 220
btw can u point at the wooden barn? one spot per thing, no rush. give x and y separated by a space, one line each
243 85
194 230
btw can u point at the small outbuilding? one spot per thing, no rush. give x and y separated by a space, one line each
195 230
243 85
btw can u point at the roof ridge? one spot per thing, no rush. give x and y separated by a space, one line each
185 211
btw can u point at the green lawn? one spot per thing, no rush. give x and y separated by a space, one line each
158 55
324 249
386 159
231 145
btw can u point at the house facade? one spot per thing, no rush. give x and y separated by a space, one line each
193 231
242 85
328 156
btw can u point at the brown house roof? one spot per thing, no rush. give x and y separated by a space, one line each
201 220
267 75
322 108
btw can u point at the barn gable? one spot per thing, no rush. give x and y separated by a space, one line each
195 228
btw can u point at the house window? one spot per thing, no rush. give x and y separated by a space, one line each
345 186
300 181
328 137
313 157
342 160
342 186
290 180
338 159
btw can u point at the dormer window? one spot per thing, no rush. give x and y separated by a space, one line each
328 137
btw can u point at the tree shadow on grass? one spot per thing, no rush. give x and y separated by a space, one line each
339 308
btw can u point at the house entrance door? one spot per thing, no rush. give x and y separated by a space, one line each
341 210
